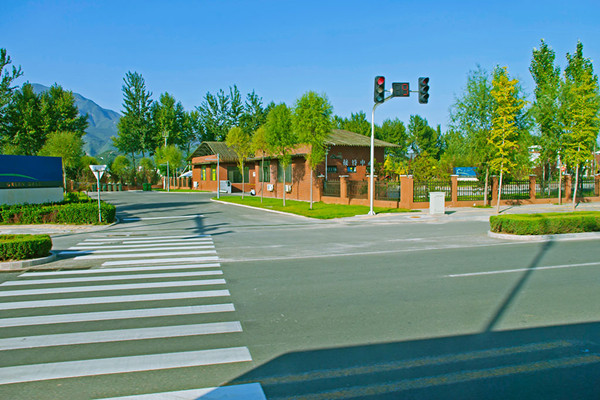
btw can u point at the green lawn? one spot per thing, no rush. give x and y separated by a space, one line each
320 210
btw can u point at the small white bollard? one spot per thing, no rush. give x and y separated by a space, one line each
437 203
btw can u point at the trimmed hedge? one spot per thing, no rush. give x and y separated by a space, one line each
23 247
74 210
546 224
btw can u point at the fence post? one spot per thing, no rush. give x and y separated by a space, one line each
532 184
454 185
344 188
406 191
597 185
494 190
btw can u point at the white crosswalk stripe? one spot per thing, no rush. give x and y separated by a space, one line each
55 309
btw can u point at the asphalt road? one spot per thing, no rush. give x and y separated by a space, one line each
400 306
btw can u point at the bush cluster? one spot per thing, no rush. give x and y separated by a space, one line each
76 209
23 247
546 224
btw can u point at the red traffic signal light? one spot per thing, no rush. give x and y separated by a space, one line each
379 91
423 90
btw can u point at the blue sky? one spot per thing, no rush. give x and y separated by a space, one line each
281 49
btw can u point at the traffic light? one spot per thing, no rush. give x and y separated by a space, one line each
423 90
379 92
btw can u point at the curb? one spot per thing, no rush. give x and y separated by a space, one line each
546 238
266 209
12 266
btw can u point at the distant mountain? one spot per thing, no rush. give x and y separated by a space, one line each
102 123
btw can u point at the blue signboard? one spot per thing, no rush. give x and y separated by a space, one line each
465 172
30 172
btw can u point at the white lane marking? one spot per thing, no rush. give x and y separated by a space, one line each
173 217
160 261
112 299
119 238
248 391
120 269
147 254
508 271
154 248
109 278
106 288
114 315
119 335
88 246
158 241
114 365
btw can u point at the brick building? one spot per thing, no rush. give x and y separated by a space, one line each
348 155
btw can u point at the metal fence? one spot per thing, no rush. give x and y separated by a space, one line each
549 190
358 189
331 188
515 190
586 187
421 190
472 191
387 191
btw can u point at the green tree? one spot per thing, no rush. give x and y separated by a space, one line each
6 84
171 155
23 133
504 137
169 121
423 138
254 114
471 125
357 123
581 104
69 147
260 145
218 113
546 107
148 170
281 137
121 168
59 112
312 124
134 127
394 131
241 143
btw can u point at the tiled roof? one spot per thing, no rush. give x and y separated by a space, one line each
341 137
209 148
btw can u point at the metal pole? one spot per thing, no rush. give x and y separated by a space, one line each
168 182
99 212
218 181
371 178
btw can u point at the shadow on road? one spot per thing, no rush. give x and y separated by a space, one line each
542 363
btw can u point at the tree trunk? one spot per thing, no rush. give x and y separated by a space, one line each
284 185
485 193
262 181
242 179
499 190
559 185
311 189
576 184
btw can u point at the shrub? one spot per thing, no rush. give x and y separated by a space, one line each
546 224
22 247
79 211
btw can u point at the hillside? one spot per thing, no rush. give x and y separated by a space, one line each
102 123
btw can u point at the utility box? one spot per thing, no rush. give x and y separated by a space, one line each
225 187
437 203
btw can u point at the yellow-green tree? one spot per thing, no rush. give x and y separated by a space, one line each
241 143
259 144
581 104
504 136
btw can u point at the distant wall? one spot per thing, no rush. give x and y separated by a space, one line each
30 179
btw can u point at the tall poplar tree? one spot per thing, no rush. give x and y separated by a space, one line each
581 104
135 134
241 143
504 136
280 137
312 124
259 144
546 107
6 83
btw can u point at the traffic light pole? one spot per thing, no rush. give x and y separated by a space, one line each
372 177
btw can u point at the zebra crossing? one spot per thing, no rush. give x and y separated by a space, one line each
148 289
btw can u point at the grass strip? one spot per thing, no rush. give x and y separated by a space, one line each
546 223
320 210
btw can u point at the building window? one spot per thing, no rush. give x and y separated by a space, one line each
213 174
332 168
265 174
203 174
351 169
288 173
233 174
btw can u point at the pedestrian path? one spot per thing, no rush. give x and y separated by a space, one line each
146 291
